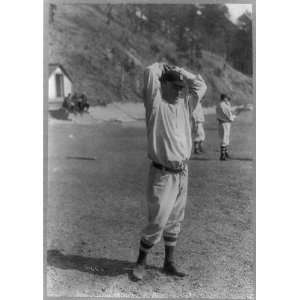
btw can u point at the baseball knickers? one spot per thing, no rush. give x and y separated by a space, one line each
166 200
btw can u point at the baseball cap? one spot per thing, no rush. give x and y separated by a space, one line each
174 77
223 96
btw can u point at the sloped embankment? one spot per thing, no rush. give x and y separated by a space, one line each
106 61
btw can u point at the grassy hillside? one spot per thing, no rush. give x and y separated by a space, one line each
106 59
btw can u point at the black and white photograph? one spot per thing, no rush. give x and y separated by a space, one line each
150 149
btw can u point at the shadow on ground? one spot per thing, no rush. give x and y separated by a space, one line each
99 266
59 114
195 157
81 157
242 158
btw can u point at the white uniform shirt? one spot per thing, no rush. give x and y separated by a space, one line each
223 112
168 125
198 113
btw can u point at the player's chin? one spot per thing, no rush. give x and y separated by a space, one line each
179 96
175 99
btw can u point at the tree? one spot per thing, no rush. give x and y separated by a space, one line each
216 27
52 9
109 15
241 53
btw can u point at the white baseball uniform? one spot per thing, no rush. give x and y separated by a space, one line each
224 117
169 146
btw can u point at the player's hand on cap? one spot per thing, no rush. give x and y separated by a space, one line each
177 69
167 67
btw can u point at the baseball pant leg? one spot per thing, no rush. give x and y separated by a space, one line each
224 133
201 132
162 191
221 133
226 138
173 226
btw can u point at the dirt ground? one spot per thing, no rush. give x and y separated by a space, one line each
96 209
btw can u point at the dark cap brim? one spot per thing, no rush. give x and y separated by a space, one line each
178 83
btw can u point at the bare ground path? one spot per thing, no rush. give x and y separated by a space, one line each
95 210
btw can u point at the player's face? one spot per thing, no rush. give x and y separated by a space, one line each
171 92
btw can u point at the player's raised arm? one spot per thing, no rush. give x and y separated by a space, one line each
196 87
152 75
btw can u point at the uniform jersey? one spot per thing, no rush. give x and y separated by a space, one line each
198 113
223 112
168 125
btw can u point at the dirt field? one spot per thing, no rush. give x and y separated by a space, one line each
95 211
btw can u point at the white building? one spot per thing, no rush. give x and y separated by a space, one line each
59 83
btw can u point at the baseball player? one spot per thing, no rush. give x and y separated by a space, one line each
198 132
224 118
169 93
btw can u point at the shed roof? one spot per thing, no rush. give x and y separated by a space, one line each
53 67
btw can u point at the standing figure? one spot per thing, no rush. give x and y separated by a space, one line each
224 118
198 132
85 105
169 94
68 105
74 100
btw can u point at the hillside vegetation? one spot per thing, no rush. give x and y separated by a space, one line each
106 47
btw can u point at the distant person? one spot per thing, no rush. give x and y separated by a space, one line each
72 105
169 94
224 118
74 100
198 132
84 103
68 103
80 104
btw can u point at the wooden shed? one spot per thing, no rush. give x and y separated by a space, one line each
59 83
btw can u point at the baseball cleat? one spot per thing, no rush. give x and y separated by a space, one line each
139 271
170 269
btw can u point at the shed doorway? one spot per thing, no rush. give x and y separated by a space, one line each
59 80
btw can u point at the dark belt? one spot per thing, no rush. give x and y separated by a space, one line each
222 121
163 168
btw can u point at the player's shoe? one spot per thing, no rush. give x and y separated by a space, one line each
227 155
170 269
201 149
139 271
223 156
